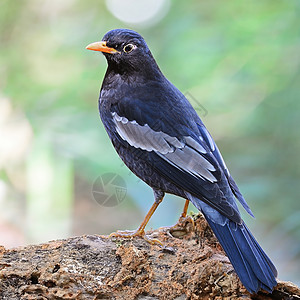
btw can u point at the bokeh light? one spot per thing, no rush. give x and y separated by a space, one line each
139 12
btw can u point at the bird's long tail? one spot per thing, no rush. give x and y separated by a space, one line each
251 263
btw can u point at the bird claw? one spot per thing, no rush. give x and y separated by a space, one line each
153 241
134 233
127 233
181 227
184 221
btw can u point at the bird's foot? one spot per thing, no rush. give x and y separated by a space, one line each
134 233
184 225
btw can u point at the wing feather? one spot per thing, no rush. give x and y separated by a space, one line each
185 155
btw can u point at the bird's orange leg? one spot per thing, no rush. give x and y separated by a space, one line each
141 229
185 208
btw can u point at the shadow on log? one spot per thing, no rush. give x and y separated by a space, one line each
192 265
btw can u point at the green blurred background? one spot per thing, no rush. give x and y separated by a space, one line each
237 60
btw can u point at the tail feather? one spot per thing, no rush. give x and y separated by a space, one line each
263 262
267 259
253 266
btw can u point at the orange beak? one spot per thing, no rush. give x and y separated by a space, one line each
101 46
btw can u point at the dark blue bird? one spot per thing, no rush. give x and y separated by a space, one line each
162 140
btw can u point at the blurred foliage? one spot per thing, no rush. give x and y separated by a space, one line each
240 60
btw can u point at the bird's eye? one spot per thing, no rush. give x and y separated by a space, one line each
128 48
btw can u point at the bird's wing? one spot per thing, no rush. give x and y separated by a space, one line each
186 161
216 153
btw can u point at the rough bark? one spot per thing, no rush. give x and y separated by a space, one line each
191 265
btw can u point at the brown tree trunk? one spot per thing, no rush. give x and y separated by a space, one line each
192 265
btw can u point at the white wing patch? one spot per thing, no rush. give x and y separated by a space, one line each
144 137
192 162
185 155
210 140
191 142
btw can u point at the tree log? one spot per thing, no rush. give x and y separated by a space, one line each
191 265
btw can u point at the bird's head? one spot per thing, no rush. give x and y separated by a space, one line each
126 51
